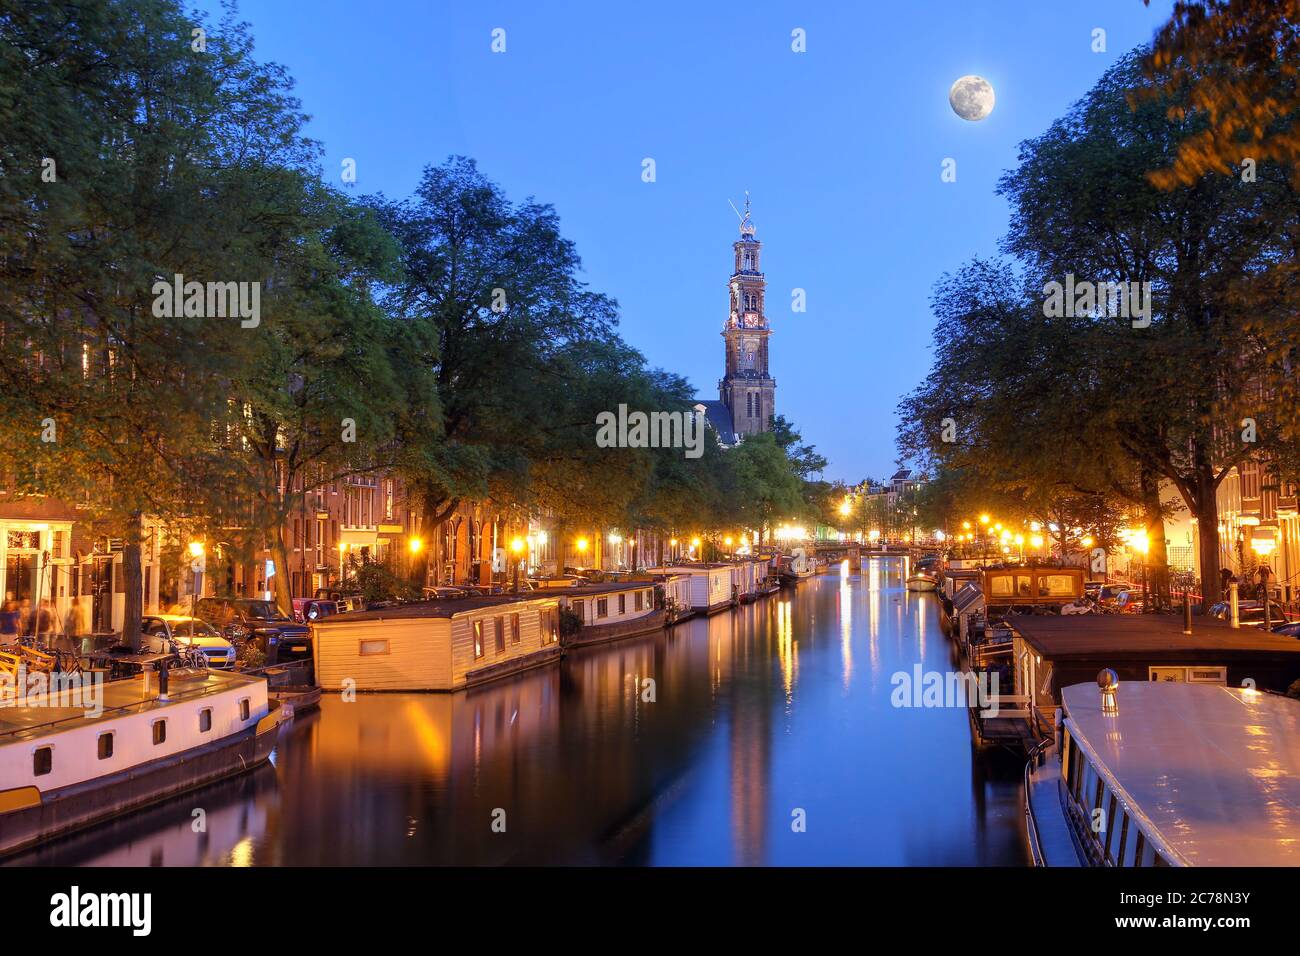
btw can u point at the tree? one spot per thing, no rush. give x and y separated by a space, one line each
1232 66
123 148
495 288
1171 393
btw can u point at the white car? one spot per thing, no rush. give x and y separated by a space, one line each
160 631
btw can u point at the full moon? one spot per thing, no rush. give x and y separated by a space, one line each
971 98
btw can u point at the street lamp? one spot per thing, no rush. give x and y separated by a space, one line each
343 563
415 545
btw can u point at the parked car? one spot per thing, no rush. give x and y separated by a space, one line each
1290 629
167 633
1250 613
251 620
445 592
324 602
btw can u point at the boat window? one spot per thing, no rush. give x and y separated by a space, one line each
105 745
1023 588
1001 586
1055 585
637 601
478 639
1139 850
622 604
205 720
159 731
368 648
501 635
243 708
602 607
514 628
42 761
578 608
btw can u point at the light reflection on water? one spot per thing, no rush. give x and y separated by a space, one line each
778 707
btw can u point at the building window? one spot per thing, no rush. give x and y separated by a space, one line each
514 628
501 635
205 720
105 746
478 639
159 732
579 607
42 761
602 607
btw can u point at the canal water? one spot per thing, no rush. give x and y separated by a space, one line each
763 736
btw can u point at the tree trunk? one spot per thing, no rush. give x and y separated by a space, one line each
1157 557
133 583
1207 528
280 555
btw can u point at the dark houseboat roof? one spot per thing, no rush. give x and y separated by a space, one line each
583 590
434 608
1146 637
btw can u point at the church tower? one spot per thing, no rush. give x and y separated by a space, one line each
747 389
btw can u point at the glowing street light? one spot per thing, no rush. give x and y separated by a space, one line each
415 545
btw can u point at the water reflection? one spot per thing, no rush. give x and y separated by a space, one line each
776 710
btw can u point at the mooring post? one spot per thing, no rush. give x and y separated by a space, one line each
1235 613
1187 613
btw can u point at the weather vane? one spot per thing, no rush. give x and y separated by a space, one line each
744 218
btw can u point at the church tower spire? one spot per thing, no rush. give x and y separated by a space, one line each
747 388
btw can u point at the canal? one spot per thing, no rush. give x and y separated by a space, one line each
760 736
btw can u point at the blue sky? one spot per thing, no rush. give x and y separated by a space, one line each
840 148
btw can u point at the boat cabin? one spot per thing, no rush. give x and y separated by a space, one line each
710 585
437 645
1022 587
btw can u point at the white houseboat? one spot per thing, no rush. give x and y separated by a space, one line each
676 588
67 767
610 612
710 585
437 645
1165 773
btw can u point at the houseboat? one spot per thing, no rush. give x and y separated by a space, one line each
610 612
437 645
796 567
1036 656
710 585
675 594
151 737
922 580
1166 773
1029 588
749 578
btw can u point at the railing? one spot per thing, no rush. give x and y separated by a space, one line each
1034 761
121 709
